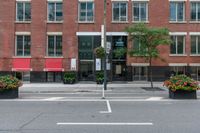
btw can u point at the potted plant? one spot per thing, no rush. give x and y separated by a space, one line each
182 87
119 52
9 87
99 52
99 77
69 77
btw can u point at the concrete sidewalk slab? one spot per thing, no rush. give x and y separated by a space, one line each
80 87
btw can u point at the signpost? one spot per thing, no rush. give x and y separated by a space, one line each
105 47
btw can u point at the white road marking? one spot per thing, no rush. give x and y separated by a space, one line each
53 98
110 124
108 107
154 99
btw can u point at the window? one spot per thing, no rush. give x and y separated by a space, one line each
140 11
54 45
195 11
136 45
178 45
55 11
195 44
86 11
23 45
120 10
177 11
177 70
23 11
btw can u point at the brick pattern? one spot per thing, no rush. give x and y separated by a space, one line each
158 16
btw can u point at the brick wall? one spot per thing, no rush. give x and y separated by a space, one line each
158 17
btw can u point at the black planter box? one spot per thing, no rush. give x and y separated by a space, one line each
100 81
68 82
182 94
9 94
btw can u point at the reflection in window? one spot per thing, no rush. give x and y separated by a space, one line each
177 11
23 11
120 11
86 11
23 45
140 11
55 45
195 44
178 45
195 11
55 11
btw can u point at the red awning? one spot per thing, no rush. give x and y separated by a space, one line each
21 64
53 64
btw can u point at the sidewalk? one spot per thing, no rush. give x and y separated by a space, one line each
85 87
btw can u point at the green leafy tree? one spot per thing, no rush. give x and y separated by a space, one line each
149 39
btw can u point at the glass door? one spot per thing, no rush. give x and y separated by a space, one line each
86 70
140 73
119 71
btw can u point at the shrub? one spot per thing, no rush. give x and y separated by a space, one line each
69 76
99 76
119 52
181 82
9 82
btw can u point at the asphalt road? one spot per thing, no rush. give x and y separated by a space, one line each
100 116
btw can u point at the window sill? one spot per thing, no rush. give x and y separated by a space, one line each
21 57
177 22
177 55
23 22
140 21
86 22
195 55
46 57
193 22
119 22
54 22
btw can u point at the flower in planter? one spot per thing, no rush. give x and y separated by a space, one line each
9 82
99 52
181 82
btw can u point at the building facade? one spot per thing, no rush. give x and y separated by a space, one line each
41 39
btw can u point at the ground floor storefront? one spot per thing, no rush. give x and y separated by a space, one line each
119 72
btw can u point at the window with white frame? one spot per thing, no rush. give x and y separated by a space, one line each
23 11
195 44
177 46
195 11
119 11
23 45
54 45
86 11
177 11
140 11
136 45
55 12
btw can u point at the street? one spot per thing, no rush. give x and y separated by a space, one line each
135 111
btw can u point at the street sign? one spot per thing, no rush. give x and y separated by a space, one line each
108 47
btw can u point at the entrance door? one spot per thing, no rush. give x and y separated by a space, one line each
140 73
119 71
86 70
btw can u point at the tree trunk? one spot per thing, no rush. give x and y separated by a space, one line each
151 79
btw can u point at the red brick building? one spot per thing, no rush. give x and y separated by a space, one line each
40 39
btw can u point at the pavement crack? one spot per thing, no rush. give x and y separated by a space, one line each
27 123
